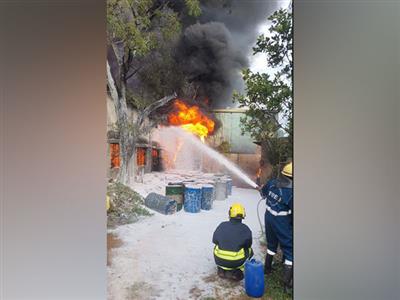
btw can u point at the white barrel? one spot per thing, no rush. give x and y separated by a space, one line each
220 190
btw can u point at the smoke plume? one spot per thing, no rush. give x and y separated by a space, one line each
209 59
213 52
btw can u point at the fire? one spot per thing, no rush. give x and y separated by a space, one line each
191 119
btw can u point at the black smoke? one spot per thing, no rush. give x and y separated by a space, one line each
213 51
210 61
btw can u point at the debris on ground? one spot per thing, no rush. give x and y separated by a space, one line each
126 205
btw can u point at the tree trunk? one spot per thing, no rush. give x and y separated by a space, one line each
129 130
127 139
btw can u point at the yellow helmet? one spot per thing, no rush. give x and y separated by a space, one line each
237 211
288 170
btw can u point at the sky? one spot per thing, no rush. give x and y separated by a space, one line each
258 61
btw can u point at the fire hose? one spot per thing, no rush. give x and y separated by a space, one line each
258 217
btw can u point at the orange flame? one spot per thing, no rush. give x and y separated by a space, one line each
191 119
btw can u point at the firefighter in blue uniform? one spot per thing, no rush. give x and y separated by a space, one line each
279 222
233 241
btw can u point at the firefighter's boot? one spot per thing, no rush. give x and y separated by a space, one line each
287 278
268 264
237 275
221 273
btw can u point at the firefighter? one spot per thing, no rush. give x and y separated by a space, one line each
233 241
279 222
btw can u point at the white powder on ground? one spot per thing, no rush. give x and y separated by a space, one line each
170 257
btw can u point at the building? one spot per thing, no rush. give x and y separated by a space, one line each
147 157
237 147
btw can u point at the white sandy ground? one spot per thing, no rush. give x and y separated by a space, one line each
170 257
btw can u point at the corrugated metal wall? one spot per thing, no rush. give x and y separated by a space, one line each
230 131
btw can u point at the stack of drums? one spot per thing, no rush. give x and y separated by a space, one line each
174 191
192 203
207 193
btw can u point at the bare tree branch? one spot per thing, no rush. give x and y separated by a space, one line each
152 107
133 73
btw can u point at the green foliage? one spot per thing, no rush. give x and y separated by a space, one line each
140 25
142 34
279 151
126 205
193 7
274 284
269 98
279 45
129 25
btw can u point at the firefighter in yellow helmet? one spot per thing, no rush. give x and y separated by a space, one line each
233 241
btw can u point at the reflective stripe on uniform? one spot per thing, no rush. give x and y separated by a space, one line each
281 213
288 262
229 255
230 269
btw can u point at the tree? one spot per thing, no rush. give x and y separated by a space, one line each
269 97
134 28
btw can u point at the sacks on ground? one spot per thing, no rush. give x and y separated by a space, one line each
160 204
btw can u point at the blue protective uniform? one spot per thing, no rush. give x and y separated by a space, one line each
278 216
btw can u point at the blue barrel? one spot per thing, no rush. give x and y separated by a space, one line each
192 201
207 193
254 278
160 203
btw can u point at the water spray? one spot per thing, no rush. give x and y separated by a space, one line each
218 157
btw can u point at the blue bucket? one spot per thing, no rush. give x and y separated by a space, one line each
192 203
207 193
254 278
